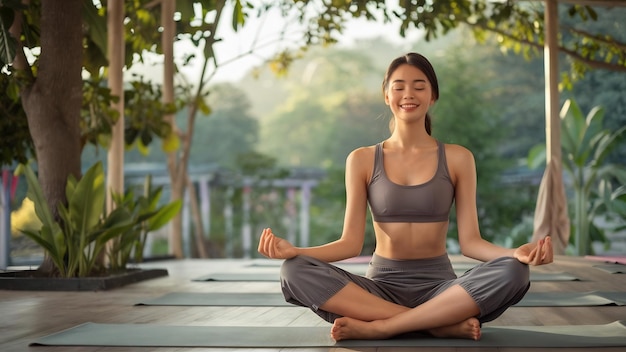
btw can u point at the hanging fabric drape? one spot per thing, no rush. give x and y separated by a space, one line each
551 217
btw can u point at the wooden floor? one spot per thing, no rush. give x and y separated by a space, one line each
27 315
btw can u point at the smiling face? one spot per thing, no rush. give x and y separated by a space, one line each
409 93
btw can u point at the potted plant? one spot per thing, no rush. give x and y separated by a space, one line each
85 237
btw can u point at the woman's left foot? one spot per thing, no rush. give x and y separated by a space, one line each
352 329
467 329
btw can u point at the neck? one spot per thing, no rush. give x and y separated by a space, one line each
411 137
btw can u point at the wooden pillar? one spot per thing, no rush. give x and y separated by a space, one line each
115 50
551 62
551 218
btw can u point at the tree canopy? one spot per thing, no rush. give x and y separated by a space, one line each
516 26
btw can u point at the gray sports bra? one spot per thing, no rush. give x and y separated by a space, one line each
427 202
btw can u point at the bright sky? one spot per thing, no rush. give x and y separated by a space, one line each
236 43
259 34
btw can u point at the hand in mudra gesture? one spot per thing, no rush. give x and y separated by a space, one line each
537 253
275 247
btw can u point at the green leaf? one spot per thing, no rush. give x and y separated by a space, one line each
574 132
52 247
87 203
594 122
70 187
536 156
96 26
171 143
8 44
609 143
238 15
35 194
164 215
46 245
114 225
185 8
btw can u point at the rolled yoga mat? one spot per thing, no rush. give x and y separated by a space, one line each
264 299
152 335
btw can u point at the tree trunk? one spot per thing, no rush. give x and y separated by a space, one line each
201 245
178 189
52 103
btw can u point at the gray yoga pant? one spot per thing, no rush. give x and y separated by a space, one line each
495 285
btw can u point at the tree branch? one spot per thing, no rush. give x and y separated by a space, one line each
597 64
20 62
620 45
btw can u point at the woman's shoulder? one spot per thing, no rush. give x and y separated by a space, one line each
361 156
456 150
363 152
458 154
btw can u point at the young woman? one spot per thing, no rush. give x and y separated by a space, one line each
410 182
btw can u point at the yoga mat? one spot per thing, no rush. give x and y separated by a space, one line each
612 268
535 276
264 299
151 335
616 259
275 276
572 299
240 276
218 299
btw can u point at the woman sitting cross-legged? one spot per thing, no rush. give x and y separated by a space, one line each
410 182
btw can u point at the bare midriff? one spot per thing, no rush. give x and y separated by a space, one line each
403 240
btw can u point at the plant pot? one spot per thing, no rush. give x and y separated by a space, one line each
33 280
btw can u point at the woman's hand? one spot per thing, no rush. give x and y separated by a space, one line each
536 253
275 247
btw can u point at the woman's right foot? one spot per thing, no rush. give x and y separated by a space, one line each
352 329
467 329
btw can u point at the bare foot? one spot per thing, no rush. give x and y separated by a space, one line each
467 329
352 329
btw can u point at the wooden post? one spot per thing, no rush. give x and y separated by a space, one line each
115 49
551 63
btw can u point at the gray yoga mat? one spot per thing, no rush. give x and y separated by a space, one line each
612 268
573 299
264 299
275 276
151 335
247 299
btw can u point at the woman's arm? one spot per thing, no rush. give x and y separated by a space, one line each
463 169
350 244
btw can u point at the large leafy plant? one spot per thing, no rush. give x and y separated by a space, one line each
585 146
147 216
76 240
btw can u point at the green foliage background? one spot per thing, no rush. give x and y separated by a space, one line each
330 102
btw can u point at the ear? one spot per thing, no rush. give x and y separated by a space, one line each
386 99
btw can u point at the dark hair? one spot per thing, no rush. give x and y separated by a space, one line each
421 63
